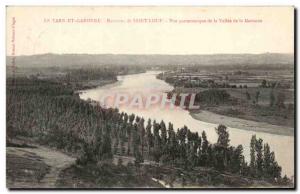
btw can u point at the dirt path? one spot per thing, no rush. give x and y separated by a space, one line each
56 160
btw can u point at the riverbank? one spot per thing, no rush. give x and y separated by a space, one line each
85 85
30 165
91 84
244 124
76 121
222 106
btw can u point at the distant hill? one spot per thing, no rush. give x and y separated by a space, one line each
69 60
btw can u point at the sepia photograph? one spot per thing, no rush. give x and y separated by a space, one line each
150 97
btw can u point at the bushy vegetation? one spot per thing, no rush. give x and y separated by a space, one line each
51 114
106 175
214 97
90 74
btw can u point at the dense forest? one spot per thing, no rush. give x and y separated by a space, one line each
95 73
50 113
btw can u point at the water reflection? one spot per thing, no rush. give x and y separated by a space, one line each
145 83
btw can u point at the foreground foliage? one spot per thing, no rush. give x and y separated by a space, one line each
51 114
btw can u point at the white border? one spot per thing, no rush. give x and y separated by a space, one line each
3 3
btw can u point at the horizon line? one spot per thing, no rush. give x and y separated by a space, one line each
148 54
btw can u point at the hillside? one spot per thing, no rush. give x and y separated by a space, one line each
71 60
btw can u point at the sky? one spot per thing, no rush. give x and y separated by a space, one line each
182 30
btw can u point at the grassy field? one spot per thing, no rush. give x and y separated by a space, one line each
244 108
30 165
24 169
264 96
52 115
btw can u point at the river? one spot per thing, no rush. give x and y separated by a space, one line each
146 83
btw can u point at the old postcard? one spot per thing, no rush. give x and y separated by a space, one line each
150 97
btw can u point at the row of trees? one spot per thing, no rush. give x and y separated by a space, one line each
276 84
90 74
106 72
58 118
278 102
263 163
186 149
196 82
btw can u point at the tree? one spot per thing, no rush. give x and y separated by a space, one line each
105 149
210 156
182 135
131 118
157 142
259 157
141 129
182 147
135 144
163 133
280 100
157 149
275 169
116 144
125 118
221 147
217 159
135 140
122 146
267 161
137 119
248 95
257 94
149 135
128 129
204 150
170 132
245 171
237 159
223 139
264 83
155 129
138 158
253 156
197 147
171 149
272 98
173 145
